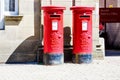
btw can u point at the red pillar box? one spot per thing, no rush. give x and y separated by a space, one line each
82 34
53 35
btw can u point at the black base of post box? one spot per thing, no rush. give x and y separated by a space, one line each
53 59
82 58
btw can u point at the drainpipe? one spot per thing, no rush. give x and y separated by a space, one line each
73 2
50 2
105 23
40 21
105 3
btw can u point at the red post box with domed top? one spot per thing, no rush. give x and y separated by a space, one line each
53 34
82 34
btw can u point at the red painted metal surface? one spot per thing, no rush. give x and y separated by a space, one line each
82 29
53 29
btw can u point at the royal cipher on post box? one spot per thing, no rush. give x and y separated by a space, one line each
53 34
82 34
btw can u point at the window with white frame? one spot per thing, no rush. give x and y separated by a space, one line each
1 15
11 7
7 8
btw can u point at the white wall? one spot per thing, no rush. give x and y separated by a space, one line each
17 37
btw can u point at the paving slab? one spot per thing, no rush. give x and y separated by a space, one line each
107 69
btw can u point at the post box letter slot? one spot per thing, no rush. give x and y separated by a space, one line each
55 16
54 25
84 16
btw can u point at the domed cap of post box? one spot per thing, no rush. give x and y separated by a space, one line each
81 8
53 8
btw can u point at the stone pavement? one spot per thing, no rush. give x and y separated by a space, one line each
107 69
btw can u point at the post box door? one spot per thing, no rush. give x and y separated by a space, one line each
85 35
56 37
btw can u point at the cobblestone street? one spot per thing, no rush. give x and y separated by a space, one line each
107 69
